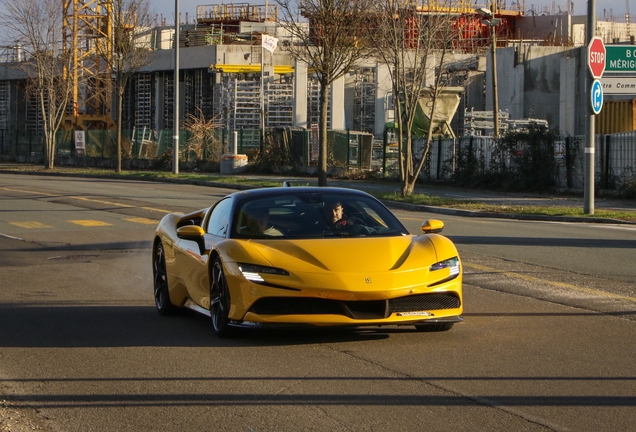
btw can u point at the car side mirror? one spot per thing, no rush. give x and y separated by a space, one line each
193 233
432 226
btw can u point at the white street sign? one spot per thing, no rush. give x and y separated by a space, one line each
619 85
80 140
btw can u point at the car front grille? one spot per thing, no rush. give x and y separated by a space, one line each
375 309
424 302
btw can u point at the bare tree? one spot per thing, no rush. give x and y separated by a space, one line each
37 26
129 19
330 40
203 142
415 41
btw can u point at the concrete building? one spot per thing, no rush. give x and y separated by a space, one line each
540 67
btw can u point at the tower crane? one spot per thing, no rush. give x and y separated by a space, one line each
87 32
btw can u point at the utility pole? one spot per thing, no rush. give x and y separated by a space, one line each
588 189
175 134
495 96
492 22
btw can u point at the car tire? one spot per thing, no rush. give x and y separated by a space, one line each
160 281
434 327
219 300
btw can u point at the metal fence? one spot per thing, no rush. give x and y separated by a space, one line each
136 144
451 160
347 150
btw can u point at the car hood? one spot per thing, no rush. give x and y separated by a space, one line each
368 254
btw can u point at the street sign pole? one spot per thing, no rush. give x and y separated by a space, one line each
588 191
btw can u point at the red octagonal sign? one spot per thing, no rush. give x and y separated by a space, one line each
596 57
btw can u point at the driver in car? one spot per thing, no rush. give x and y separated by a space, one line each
332 212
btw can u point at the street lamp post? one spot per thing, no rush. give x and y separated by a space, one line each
588 187
492 22
175 135
495 95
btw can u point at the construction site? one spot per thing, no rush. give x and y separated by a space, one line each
225 75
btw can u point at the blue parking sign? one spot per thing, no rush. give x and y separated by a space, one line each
596 96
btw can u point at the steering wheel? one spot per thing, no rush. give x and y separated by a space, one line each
346 222
352 225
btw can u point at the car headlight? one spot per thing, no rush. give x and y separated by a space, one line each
451 263
252 272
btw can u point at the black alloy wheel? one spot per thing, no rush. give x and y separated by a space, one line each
219 300
160 279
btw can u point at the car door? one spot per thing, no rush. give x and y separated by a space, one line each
193 264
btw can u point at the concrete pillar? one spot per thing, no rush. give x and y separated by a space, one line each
567 96
300 94
384 111
337 104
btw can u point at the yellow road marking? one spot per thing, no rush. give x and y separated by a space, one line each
156 209
87 199
90 223
101 201
29 192
553 283
145 221
30 225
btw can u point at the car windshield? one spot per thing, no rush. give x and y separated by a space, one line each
314 215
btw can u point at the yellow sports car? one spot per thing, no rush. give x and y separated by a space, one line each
305 255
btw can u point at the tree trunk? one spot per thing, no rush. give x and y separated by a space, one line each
408 186
47 160
408 179
400 138
51 146
323 152
47 147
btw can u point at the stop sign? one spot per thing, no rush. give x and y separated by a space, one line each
596 57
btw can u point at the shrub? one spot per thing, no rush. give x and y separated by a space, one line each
627 186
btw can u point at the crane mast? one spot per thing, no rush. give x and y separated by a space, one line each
88 36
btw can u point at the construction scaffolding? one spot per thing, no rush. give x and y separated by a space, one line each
313 102
480 123
199 87
238 106
143 101
236 12
279 104
245 100
34 119
168 101
365 90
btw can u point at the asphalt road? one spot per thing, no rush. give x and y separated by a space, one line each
548 342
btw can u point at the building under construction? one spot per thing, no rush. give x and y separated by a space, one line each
225 74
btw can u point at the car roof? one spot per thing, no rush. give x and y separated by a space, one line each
295 190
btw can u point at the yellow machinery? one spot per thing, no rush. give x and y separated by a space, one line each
88 37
